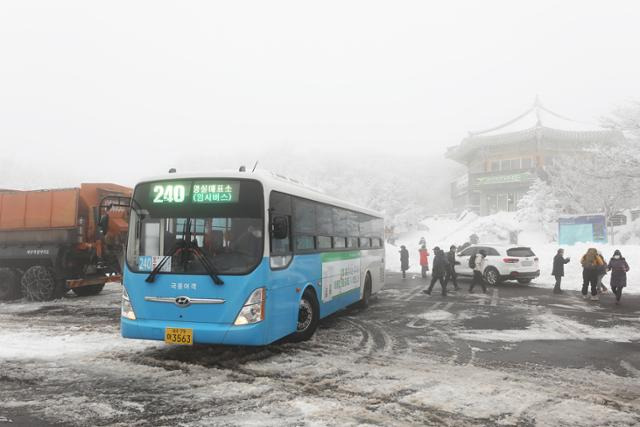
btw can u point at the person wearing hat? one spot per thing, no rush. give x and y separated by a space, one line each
618 267
558 269
451 268
404 260
438 271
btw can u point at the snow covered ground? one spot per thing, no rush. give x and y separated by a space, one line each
407 360
444 232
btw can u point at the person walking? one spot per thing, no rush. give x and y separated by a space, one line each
451 268
591 264
478 268
439 271
558 269
618 267
602 271
404 260
424 260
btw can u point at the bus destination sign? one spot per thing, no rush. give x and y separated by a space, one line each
215 192
199 192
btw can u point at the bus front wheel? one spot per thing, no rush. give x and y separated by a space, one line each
308 317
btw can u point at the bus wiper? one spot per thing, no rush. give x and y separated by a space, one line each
193 246
152 276
209 268
187 245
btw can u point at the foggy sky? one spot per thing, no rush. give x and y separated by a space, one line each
113 91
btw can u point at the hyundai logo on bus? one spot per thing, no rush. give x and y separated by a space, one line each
183 301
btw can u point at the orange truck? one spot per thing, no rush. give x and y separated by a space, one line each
55 240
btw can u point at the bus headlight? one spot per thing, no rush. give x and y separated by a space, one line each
253 309
127 308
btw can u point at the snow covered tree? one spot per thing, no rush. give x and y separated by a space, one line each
591 182
540 206
626 119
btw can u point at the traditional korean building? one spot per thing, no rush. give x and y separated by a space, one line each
503 161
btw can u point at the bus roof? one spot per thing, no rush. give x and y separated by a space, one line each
272 181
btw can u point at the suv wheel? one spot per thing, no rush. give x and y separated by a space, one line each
492 276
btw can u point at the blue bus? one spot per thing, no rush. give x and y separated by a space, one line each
243 258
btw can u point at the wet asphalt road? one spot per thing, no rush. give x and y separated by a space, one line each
518 330
510 306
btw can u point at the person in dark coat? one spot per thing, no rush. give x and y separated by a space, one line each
451 268
440 267
558 269
618 267
404 260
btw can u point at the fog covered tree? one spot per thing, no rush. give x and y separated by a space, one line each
626 155
593 182
539 206
602 179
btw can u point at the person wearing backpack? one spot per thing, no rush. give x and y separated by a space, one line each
451 268
477 263
591 266
618 267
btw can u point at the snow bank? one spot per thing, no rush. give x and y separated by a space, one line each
444 232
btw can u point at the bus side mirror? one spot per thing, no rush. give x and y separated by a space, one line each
280 227
103 224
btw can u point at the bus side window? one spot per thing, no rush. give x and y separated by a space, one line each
352 242
339 242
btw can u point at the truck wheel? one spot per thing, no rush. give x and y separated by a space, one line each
86 291
9 285
39 284
308 317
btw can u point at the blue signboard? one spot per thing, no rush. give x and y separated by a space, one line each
582 228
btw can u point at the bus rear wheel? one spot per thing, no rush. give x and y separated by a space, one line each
308 317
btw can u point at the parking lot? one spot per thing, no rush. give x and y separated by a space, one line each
517 355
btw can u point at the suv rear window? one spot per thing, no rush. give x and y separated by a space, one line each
520 252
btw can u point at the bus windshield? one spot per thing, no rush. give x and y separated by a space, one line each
223 217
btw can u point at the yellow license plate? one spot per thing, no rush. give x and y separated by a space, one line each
181 336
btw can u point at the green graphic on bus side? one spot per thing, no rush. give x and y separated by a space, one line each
336 256
340 274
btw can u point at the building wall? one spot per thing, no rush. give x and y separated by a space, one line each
499 177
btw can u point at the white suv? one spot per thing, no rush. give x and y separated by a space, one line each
502 263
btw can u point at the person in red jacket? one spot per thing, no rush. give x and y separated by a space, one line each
424 260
